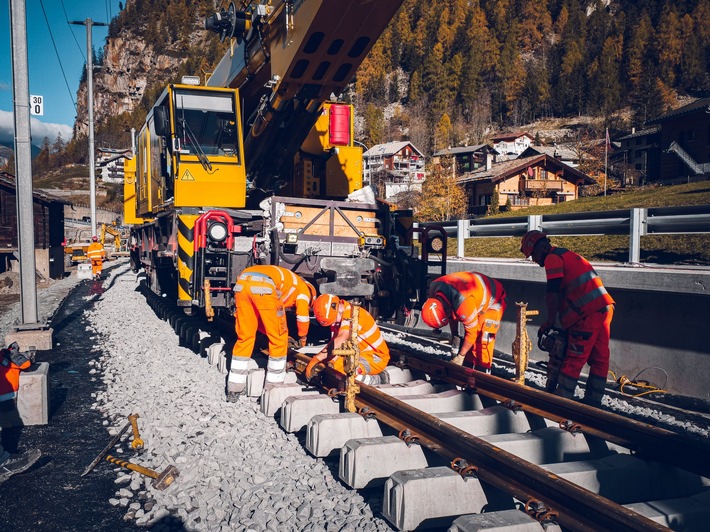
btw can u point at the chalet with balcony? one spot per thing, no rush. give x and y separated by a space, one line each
684 142
512 144
525 181
466 158
394 168
564 153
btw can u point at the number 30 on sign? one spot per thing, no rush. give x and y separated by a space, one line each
37 105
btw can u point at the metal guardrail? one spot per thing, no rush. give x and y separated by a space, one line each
636 223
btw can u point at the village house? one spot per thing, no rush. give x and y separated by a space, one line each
465 158
523 182
48 216
394 168
511 144
684 142
638 158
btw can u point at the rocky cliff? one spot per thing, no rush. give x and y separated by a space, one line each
149 45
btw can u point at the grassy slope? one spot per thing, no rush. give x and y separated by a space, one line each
659 249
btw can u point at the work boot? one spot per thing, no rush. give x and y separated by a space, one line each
18 463
566 386
594 392
234 391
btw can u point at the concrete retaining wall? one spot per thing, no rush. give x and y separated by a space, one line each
659 326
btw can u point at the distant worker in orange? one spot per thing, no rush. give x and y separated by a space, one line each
475 300
261 296
576 296
331 311
96 254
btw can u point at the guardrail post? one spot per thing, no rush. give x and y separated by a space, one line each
535 222
636 231
461 236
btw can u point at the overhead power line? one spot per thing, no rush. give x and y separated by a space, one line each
66 17
56 51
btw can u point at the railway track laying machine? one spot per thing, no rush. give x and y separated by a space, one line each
260 167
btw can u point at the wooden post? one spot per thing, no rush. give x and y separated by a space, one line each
522 343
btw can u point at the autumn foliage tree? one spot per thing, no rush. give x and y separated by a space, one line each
441 198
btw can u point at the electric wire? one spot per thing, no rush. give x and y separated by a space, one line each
56 51
71 29
646 386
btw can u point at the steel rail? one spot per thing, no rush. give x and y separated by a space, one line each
576 507
572 506
643 439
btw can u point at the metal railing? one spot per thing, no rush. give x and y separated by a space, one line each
633 222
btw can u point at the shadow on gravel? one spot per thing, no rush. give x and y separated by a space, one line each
52 495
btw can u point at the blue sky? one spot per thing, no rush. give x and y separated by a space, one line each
46 76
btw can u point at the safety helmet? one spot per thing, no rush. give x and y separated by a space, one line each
94 238
529 240
325 309
434 313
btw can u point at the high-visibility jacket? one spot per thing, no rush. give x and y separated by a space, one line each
292 291
470 295
10 367
581 292
95 251
374 353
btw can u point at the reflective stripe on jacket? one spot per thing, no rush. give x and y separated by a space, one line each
95 251
581 292
294 292
373 348
469 294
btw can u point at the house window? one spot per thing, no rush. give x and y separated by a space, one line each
691 135
484 199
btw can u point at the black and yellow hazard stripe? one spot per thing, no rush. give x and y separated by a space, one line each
186 258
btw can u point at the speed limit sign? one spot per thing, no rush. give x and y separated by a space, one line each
37 105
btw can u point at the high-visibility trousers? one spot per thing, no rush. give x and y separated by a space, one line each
589 343
96 266
258 308
481 354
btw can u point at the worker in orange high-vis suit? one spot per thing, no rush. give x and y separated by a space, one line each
96 254
261 296
11 363
576 296
331 311
476 301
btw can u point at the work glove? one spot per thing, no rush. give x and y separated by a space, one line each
458 360
309 368
302 340
293 344
544 328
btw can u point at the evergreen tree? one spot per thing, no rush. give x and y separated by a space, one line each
374 124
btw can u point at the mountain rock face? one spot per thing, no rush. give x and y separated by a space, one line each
140 55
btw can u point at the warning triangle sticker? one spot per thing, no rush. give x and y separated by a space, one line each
187 176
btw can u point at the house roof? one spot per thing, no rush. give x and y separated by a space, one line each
642 133
464 149
510 136
8 180
390 148
697 105
502 171
564 152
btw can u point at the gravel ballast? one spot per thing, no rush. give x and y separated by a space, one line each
237 468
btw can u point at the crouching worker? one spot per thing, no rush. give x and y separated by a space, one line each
476 301
11 363
331 311
261 296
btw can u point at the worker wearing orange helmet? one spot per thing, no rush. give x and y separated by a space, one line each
96 254
261 296
577 297
331 311
475 300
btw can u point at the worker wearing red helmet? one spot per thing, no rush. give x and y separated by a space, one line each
476 301
96 254
261 296
331 311
577 297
